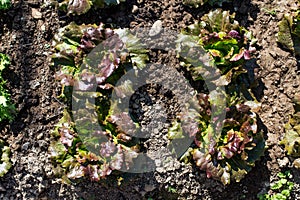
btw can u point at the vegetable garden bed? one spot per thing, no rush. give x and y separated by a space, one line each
143 99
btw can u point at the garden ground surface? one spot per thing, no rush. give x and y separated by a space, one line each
26 32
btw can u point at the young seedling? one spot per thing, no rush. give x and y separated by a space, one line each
281 189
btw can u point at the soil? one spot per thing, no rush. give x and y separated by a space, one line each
26 32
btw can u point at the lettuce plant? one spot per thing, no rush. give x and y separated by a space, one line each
5 4
197 3
79 7
7 109
291 139
215 49
72 45
5 164
289 32
73 160
220 35
90 59
227 149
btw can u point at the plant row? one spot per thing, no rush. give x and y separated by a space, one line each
90 59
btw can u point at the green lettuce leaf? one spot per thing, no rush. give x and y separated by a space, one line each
229 45
7 109
289 32
5 163
79 7
291 139
5 4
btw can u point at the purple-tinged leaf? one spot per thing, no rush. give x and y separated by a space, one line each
92 172
247 55
234 34
118 159
105 170
106 86
238 56
124 123
107 148
243 108
85 156
66 136
83 86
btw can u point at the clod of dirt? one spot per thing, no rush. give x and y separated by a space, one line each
36 13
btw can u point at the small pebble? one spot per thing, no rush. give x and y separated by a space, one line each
134 9
36 14
2 189
25 146
156 28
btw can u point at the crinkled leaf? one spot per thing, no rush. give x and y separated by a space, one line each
5 4
225 178
238 175
137 51
175 131
79 6
93 172
232 154
97 50
66 136
289 32
105 170
5 163
124 123
219 20
239 55
107 148
291 141
57 151
195 59
228 43
117 160
4 61
76 171
284 34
